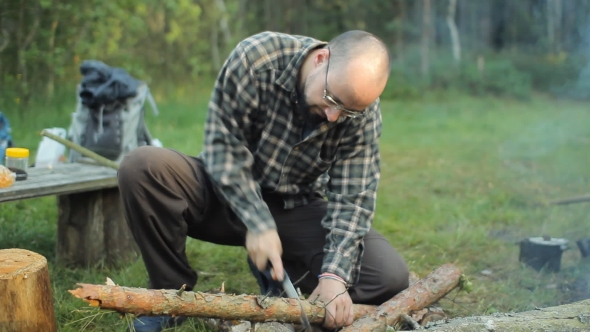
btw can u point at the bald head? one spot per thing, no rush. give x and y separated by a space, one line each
361 61
357 44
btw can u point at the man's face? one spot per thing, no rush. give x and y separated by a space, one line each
340 92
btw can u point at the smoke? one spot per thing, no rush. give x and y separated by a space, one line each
580 88
548 150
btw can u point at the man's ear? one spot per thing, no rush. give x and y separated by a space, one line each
321 56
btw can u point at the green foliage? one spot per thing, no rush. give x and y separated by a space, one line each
186 41
499 78
564 75
496 78
465 284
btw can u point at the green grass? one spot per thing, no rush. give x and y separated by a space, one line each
463 180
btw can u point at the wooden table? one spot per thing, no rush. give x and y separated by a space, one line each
91 227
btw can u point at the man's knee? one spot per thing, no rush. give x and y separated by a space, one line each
395 277
386 271
137 165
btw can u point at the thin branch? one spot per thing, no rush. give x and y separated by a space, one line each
572 200
412 322
84 151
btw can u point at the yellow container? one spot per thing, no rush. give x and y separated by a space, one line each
17 160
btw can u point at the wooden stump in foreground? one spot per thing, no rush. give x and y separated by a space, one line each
25 292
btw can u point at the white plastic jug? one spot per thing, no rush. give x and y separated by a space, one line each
50 152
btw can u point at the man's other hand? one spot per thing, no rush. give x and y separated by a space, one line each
339 309
264 248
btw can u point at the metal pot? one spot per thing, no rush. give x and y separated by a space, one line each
542 252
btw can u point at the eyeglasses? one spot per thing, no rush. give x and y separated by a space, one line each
330 101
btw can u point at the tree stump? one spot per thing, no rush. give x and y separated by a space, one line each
92 230
26 303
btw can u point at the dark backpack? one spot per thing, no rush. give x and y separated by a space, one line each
109 116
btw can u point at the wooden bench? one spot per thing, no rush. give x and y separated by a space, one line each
91 226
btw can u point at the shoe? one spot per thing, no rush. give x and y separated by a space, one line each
155 323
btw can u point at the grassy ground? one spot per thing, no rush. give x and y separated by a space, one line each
463 181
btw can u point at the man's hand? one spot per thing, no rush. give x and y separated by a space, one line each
266 247
339 309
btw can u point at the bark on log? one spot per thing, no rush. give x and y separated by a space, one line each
419 295
27 304
568 317
141 301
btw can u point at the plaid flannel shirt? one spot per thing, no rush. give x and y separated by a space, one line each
254 143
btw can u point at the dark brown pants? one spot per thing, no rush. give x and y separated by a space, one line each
167 196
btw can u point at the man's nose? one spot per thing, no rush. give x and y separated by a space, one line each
331 113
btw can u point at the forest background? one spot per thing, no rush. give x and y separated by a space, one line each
498 47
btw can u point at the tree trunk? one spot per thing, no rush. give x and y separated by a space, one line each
554 14
223 23
241 18
426 26
400 32
27 304
4 41
419 295
214 44
92 230
454 32
568 317
485 27
23 44
51 52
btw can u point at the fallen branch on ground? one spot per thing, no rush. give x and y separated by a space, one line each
141 301
419 295
571 200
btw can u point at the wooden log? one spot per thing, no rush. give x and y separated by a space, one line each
567 317
92 229
26 303
419 295
141 301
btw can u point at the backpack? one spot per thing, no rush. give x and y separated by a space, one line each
109 116
5 138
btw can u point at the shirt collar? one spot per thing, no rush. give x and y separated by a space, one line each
288 78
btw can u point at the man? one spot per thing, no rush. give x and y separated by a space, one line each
290 169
